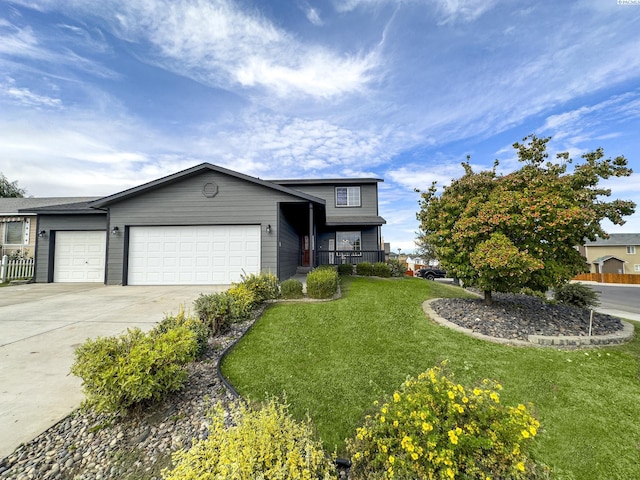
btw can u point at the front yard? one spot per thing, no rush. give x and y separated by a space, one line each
334 359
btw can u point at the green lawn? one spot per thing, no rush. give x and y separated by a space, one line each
334 359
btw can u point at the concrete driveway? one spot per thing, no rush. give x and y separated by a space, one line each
40 327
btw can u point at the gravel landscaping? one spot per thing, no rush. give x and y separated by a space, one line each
517 316
87 446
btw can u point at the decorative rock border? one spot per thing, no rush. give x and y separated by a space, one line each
617 338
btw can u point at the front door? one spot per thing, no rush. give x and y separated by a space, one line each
305 251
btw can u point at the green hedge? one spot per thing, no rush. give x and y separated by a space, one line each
433 427
123 372
193 323
365 269
261 443
381 269
576 294
263 285
322 283
291 288
345 269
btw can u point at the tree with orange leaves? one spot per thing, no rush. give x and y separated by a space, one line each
504 233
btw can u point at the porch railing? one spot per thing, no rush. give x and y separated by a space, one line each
337 257
15 269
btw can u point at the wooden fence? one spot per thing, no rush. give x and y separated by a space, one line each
610 278
15 269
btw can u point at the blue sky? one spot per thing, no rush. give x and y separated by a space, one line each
97 97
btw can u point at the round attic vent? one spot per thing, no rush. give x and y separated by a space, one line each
210 190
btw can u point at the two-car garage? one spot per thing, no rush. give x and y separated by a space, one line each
163 255
192 255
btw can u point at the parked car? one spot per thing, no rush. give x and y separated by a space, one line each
431 273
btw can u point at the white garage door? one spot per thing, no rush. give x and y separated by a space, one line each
193 255
79 257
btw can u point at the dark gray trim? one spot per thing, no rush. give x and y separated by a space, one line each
176 177
51 256
327 181
125 256
355 221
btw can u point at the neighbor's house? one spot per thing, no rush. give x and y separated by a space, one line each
620 253
18 223
209 225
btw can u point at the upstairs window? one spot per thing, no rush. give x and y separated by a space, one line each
13 233
347 196
631 250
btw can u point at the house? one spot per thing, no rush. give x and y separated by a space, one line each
18 223
620 253
416 263
209 225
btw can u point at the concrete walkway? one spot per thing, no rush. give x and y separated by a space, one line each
40 327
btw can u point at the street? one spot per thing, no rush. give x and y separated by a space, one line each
619 297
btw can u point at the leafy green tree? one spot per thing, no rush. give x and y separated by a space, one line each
506 232
10 189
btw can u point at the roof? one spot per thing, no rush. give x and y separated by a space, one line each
176 177
11 206
606 258
327 181
74 208
615 239
354 220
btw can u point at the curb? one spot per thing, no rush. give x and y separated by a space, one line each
617 338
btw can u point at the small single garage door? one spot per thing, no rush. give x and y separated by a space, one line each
79 257
193 255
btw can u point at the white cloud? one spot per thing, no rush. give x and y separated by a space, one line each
463 10
218 44
312 14
26 97
292 146
421 177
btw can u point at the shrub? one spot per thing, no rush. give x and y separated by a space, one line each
264 286
119 373
534 293
397 268
576 294
381 269
265 443
322 283
291 288
216 310
345 269
435 428
243 300
365 269
182 319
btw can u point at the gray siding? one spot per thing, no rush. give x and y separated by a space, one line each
237 202
54 223
288 250
368 199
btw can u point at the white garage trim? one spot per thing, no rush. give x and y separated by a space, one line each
79 256
192 255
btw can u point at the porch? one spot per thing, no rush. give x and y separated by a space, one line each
353 257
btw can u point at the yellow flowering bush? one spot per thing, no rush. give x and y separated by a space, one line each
434 428
261 444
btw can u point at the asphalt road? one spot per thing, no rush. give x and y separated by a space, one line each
619 297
